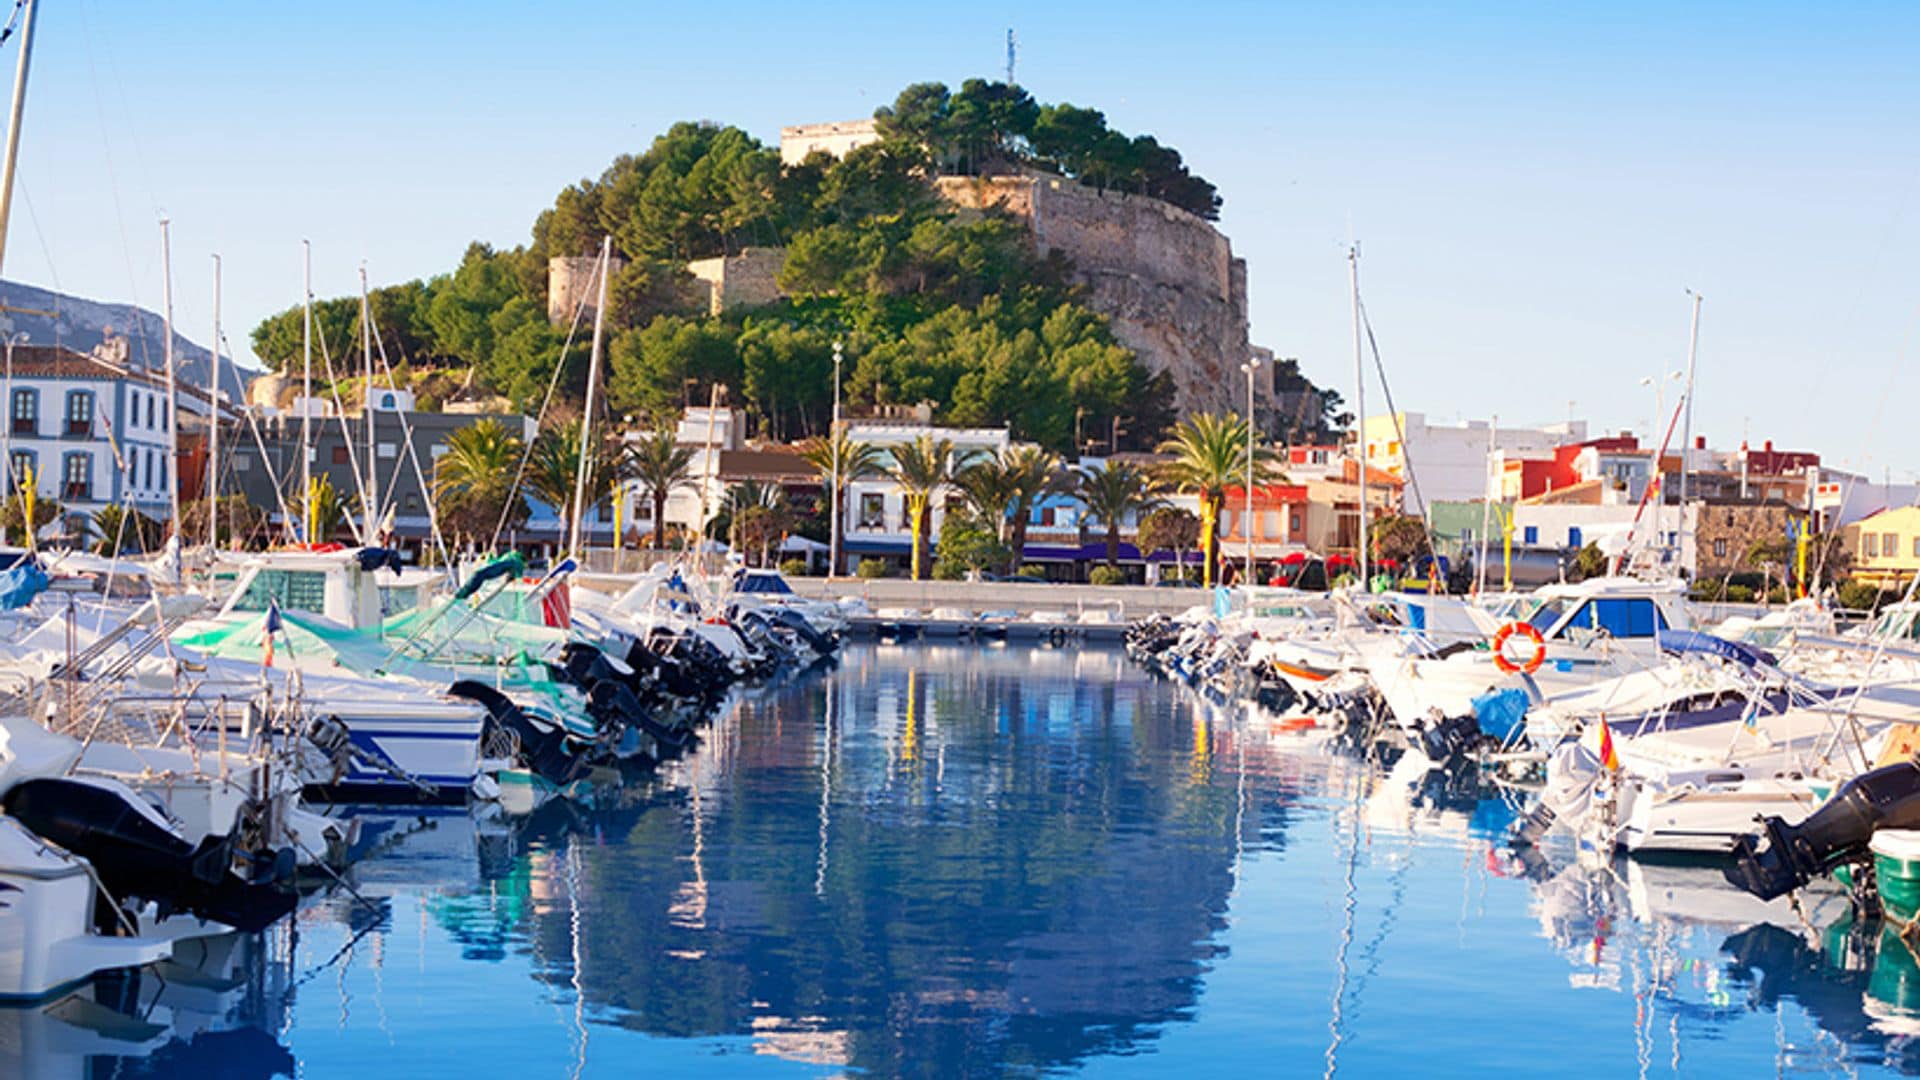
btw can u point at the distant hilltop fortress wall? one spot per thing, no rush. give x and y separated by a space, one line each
1166 280
570 285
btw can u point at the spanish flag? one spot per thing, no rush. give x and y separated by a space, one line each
1608 758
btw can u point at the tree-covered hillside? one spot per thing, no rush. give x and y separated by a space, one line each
929 303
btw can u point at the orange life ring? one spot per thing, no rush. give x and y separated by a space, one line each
1525 630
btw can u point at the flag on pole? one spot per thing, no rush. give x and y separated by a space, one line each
272 624
103 429
1608 758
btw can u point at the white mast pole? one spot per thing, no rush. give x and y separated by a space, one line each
586 417
1359 406
172 418
1486 506
213 426
1686 434
13 122
834 439
306 393
371 495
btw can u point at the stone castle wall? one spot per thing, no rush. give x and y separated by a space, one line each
1166 279
748 279
570 284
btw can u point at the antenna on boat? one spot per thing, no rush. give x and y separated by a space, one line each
213 427
1359 405
586 417
13 123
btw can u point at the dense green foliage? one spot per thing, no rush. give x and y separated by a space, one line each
930 304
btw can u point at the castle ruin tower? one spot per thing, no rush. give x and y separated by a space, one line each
570 284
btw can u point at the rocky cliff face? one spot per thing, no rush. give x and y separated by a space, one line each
81 325
1166 279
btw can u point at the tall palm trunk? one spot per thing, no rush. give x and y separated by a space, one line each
1113 544
659 520
1209 539
918 508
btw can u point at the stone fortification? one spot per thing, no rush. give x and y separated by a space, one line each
838 139
570 284
1167 280
748 279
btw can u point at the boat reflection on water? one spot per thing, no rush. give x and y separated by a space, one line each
960 860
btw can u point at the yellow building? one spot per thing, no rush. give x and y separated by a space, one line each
1886 546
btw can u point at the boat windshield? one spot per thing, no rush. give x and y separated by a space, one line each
1549 612
1896 625
765 583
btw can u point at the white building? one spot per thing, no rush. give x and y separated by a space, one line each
1449 462
837 139
92 432
875 522
1843 498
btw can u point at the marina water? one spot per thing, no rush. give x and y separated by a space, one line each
959 860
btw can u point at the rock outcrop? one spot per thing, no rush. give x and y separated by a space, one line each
1166 279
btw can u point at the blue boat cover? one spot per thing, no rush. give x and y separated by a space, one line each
1686 641
21 584
1501 711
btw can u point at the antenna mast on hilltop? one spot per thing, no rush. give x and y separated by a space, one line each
1010 51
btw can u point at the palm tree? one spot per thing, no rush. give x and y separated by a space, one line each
1034 473
554 466
989 489
758 514
858 461
921 468
1112 493
1210 454
473 480
659 464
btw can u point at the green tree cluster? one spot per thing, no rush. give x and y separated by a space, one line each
991 126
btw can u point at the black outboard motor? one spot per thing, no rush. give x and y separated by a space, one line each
136 856
1446 738
821 643
543 749
1785 857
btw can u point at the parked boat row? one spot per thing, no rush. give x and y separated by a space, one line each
168 765
1784 743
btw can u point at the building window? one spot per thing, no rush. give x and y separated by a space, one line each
340 456
26 412
1530 535
387 451
1869 545
1890 545
76 478
1719 549
1573 537
873 511
1295 523
413 503
80 413
149 400
22 464
242 462
386 401
1916 547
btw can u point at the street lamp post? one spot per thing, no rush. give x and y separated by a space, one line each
1246 523
833 440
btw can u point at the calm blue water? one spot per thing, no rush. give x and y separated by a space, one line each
954 861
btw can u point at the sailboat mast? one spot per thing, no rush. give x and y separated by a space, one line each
1359 405
586 417
371 494
306 392
13 122
1686 433
213 425
172 418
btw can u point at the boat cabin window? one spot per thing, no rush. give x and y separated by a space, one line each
1620 617
295 590
394 601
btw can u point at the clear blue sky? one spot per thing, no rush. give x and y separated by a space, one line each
1534 187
